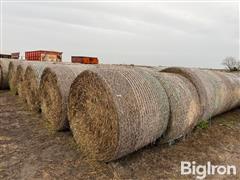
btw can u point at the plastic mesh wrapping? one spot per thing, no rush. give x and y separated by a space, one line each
4 64
212 89
117 110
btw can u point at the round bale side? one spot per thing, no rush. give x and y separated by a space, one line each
115 111
224 93
233 82
54 90
206 85
12 78
31 84
184 105
21 69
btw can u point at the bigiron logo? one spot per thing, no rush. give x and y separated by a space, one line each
202 171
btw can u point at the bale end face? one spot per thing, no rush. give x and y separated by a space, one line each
12 78
4 65
51 101
184 105
93 117
115 111
20 80
32 91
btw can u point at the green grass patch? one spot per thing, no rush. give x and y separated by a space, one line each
203 124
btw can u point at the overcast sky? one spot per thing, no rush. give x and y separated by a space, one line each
170 34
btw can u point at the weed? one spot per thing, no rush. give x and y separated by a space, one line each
203 124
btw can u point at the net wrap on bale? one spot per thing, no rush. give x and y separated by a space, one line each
232 81
21 88
54 90
211 88
4 64
115 111
12 78
184 105
223 96
31 84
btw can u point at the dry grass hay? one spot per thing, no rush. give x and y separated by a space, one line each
116 111
219 93
4 64
54 90
211 89
151 69
224 92
12 79
184 105
232 80
31 84
203 83
21 69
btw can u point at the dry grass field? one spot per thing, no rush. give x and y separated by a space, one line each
30 151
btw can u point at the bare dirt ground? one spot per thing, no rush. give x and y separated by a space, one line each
29 151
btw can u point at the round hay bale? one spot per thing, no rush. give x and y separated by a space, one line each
184 105
115 111
233 83
152 69
21 69
225 98
54 90
219 92
224 92
4 64
203 83
211 89
12 79
31 84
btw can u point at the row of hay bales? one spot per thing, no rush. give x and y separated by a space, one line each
114 110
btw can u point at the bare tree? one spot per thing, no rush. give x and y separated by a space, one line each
231 64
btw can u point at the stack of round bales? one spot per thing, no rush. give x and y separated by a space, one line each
31 84
54 90
212 90
116 110
12 78
4 64
184 103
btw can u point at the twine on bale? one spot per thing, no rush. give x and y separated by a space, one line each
31 84
115 111
54 90
12 78
184 105
4 63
